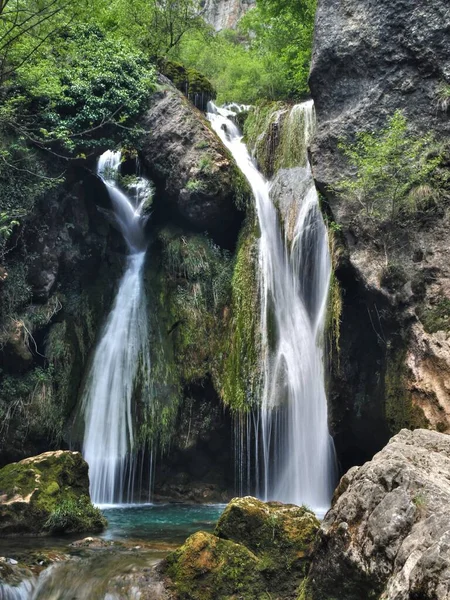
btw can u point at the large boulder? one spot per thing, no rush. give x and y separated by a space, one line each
258 549
387 534
48 493
197 180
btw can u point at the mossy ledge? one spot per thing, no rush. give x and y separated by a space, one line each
47 494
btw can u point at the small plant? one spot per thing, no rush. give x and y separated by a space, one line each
443 96
195 185
421 503
202 145
205 164
71 516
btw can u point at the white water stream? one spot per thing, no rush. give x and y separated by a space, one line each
294 453
121 356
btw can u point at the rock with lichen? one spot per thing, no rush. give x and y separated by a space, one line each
49 494
258 550
387 535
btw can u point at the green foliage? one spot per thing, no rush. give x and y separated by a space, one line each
281 31
75 515
104 85
335 302
267 57
157 26
394 170
195 185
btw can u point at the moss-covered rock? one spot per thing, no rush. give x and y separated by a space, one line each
258 550
281 535
193 84
48 493
209 568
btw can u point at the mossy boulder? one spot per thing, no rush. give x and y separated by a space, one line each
258 550
193 84
49 494
281 535
209 568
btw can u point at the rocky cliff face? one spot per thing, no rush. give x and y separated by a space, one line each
369 60
387 533
50 308
225 14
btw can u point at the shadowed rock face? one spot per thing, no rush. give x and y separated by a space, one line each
369 60
387 534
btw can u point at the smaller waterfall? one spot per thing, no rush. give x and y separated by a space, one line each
294 453
121 359
23 591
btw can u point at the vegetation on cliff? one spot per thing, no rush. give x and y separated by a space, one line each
395 170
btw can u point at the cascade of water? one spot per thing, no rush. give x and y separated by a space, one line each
23 591
294 454
121 356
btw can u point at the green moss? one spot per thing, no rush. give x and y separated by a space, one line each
243 197
43 491
190 293
400 410
281 535
291 150
436 318
334 309
208 568
195 185
262 132
258 550
189 81
241 375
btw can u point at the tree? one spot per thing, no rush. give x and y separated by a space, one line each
27 25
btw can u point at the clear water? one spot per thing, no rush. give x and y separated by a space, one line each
293 454
149 532
168 523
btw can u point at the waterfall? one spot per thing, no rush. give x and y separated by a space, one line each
22 591
294 453
121 359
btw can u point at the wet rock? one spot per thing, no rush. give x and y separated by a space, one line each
257 548
48 493
282 534
388 531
